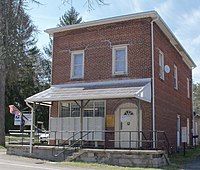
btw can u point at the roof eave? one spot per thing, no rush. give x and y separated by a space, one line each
151 14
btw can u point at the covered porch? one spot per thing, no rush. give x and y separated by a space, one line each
104 114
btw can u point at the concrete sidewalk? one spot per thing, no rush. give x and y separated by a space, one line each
10 162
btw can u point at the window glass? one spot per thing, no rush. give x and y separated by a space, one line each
175 77
93 108
99 108
77 65
120 60
75 110
161 65
188 88
65 109
89 109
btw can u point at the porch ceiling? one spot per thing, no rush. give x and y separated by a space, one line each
138 88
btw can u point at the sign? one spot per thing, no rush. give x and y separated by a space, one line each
17 120
110 121
184 134
125 118
167 69
27 118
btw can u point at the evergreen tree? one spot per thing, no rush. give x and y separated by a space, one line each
70 17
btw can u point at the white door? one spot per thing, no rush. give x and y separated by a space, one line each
128 134
178 131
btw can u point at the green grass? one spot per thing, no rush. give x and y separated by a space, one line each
178 160
104 166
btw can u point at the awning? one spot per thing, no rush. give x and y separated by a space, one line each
138 88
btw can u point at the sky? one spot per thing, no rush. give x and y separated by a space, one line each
182 17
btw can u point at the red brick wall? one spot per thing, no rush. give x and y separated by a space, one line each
98 54
170 102
98 66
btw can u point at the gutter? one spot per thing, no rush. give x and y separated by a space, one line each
153 82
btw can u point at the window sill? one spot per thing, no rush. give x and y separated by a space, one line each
76 78
119 74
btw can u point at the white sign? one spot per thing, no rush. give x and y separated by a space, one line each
27 119
125 118
183 134
167 69
17 120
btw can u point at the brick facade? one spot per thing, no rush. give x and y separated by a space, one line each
136 34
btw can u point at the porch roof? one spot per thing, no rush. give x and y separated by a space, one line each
138 88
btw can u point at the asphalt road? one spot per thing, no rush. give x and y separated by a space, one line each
10 162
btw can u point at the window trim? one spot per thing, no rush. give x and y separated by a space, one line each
188 88
161 74
72 64
70 102
114 48
175 77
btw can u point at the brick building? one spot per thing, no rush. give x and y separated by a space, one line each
120 81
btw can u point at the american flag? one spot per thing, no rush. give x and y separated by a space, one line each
14 110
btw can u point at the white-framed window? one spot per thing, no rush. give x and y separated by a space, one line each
94 108
77 64
175 77
188 87
161 65
119 60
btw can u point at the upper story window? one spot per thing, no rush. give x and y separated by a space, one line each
119 60
175 77
188 88
77 64
161 65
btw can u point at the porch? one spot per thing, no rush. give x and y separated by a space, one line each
106 114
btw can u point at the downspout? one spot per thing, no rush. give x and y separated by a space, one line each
31 134
153 82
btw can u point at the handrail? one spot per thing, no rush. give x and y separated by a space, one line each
77 140
144 139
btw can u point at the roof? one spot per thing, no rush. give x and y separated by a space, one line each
152 14
139 88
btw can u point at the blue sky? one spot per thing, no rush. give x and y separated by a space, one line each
182 16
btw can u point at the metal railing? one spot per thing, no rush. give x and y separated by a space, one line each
141 141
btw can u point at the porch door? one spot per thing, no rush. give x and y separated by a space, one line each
128 124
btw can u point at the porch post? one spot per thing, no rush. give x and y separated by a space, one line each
81 121
31 134
138 121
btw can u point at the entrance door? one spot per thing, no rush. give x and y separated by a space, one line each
128 127
178 131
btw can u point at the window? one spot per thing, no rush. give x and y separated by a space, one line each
77 64
188 88
161 65
119 57
175 77
92 109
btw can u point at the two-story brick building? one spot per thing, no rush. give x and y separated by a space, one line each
125 78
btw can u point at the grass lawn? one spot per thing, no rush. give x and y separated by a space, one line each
104 166
178 159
